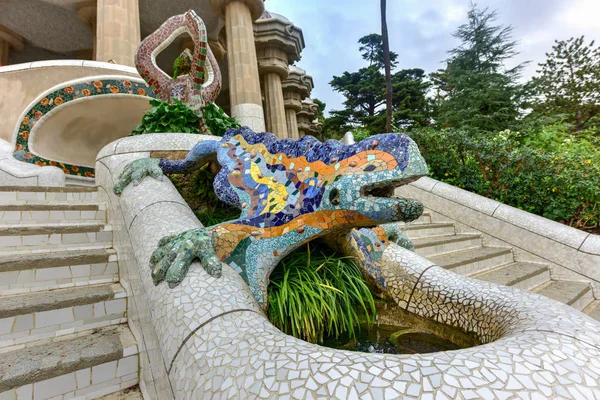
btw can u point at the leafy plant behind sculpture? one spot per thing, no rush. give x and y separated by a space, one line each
179 117
218 122
313 296
197 190
168 117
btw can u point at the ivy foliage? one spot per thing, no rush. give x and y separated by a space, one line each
218 122
177 116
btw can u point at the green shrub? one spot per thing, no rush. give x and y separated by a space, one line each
197 190
544 170
179 117
360 134
218 122
313 296
168 117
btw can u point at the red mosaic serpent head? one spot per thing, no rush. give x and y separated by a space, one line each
202 84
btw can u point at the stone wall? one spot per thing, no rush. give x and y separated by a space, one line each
22 83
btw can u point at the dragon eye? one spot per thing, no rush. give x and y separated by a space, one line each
334 197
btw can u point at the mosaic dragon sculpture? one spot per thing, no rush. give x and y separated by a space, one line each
289 193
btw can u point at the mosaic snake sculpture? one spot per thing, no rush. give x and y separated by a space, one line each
289 193
201 85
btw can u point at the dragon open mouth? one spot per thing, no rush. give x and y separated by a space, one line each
386 188
394 208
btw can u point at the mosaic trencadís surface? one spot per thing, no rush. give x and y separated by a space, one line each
289 192
193 88
60 97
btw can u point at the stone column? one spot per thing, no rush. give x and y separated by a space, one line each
304 120
295 88
278 44
86 12
291 109
117 31
244 83
9 40
306 116
275 112
316 128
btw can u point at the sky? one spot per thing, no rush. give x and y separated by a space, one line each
420 31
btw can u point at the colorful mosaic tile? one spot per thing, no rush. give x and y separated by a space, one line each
289 193
58 98
194 88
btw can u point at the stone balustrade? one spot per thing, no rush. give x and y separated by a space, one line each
571 254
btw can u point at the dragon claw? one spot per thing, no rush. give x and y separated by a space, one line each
171 261
136 171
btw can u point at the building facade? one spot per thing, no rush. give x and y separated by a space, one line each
255 49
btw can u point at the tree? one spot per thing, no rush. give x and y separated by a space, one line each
410 106
387 67
372 50
365 93
476 91
321 111
569 84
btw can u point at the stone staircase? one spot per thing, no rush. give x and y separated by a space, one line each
466 254
63 321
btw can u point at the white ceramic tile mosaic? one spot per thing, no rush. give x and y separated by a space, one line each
215 342
53 216
88 383
40 325
14 282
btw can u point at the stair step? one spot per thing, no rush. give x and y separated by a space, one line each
21 273
23 235
518 274
472 261
575 294
53 212
593 310
33 316
131 393
444 244
87 365
414 231
41 193
425 218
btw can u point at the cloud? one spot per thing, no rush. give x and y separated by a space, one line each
421 31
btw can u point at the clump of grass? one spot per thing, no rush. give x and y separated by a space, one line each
313 296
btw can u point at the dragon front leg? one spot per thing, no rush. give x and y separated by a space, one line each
137 170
